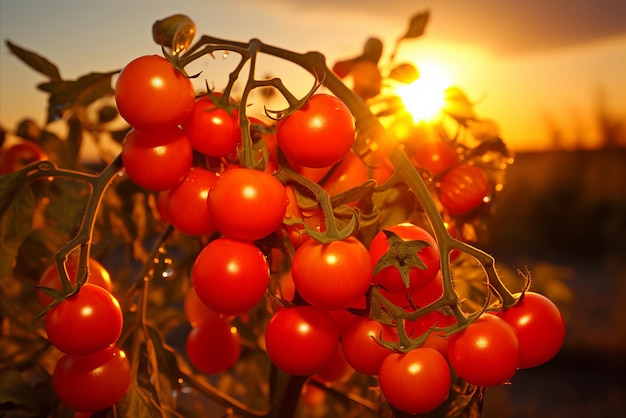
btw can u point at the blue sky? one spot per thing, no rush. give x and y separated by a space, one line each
533 65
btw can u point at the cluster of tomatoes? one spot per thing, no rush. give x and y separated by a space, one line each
92 374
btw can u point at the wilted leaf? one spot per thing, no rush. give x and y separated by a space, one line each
35 61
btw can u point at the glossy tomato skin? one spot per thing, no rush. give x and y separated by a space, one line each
157 160
230 276
463 189
319 134
97 275
334 275
486 353
94 382
389 278
187 203
361 347
247 204
151 94
212 130
195 310
213 346
436 339
415 382
539 326
20 155
435 156
301 339
85 323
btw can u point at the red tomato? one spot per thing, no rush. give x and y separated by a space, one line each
319 134
195 310
415 382
463 188
213 346
151 94
97 275
93 382
360 344
85 323
300 340
213 131
389 278
21 155
350 173
435 156
337 369
157 160
420 298
486 353
187 208
247 204
334 275
436 339
539 326
230 276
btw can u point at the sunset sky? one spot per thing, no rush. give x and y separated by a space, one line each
535 66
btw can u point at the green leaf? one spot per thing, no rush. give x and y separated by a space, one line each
35 61
402 255
15 224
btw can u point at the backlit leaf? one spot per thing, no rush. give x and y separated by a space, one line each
35 61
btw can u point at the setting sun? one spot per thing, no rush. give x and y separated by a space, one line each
424 98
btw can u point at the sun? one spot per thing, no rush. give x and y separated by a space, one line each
424 98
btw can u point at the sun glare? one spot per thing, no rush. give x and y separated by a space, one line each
424 98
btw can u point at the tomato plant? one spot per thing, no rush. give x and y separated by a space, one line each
463 188
539 326
85 323
151 94
187 208
319 134
93 382
415 382
435 156
213 346
300 340
334 275
361 347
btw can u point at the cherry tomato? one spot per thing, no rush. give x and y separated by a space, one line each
486 353
319 134
337 369
300 340
463 188
212 130
539 326
230 276
389 277
351 172
360 343
247 204
151 94
415 382
334 275
419 298
435 156
213 346
436 339
156 160
97 275
86 322
20 155
187 203
93 382
195 310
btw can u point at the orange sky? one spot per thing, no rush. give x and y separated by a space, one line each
535 67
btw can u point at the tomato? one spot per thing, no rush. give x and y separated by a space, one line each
213 346
350 173
86 322
157 160
420 298
20 155
435 156
93 382
187 203
337 369
50 278
230 276
151 94
361 347
389 277
539 326
463 188
300 340
415 382
334 275
486 353
436 339
319 134
212 130
247 204
195 310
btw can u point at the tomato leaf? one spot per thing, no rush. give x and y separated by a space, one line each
139 403
405 73
401 255
417 25
15 224
35 61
